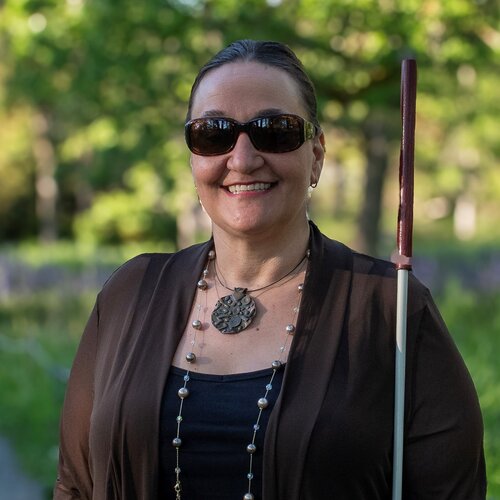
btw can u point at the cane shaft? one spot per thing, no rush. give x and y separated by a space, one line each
399 386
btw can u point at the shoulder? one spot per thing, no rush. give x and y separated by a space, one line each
131 273
344 256
371 277
148 267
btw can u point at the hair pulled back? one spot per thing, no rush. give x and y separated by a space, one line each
275 54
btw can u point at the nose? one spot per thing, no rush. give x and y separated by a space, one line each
244 157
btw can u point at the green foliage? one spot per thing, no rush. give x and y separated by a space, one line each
474 321
39 334
134 214
112 81
16 190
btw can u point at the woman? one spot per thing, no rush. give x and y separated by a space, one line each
260 364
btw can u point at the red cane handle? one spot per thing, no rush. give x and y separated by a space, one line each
406 158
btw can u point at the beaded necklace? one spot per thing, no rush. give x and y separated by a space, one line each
262 403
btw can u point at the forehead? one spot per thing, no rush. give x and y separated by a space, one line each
243 89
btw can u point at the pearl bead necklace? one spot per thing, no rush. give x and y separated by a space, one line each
262 403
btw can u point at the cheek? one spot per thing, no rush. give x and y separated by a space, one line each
305 169
204 170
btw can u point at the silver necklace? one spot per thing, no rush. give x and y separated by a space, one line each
233 313
262 403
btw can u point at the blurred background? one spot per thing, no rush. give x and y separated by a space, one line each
93 168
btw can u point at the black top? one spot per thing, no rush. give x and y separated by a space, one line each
218 419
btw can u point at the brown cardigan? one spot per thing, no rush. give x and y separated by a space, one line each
330 433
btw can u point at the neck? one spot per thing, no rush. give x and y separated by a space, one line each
255 261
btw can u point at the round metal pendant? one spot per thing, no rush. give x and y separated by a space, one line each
233 313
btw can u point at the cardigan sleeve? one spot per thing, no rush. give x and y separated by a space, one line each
443 454
74 479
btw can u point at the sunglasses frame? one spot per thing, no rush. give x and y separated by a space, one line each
308 131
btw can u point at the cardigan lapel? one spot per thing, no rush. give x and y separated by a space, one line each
165 302
310 363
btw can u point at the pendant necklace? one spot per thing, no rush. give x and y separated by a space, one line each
233 313
262 404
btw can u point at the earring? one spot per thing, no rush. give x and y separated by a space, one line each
201 205
313 185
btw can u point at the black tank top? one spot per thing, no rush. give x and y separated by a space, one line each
218 423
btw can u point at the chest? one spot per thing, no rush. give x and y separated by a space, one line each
267 338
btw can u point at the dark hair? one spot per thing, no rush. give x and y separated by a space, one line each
274 54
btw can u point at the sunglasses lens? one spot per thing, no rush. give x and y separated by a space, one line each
210 136
270 134
277 134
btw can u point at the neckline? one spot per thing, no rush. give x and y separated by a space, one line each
229 377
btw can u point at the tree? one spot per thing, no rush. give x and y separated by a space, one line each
112 80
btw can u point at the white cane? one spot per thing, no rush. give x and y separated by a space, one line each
403 259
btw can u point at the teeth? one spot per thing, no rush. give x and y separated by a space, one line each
258 186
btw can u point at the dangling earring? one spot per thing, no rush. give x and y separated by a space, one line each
201 205
200 202
199 199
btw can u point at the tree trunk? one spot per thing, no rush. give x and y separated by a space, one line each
376 153
46 185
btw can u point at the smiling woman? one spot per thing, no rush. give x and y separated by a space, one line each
260 364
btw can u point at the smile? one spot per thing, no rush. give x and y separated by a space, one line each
258 186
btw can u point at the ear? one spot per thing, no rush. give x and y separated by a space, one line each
318 157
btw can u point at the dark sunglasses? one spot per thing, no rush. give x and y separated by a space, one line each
269 134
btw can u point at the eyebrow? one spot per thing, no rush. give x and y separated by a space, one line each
270 111
212 113
217 113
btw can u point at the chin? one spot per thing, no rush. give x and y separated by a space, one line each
261 226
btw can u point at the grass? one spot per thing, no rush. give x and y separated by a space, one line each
38 338
474 321
77 256
39 333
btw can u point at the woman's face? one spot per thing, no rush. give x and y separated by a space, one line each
245 191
